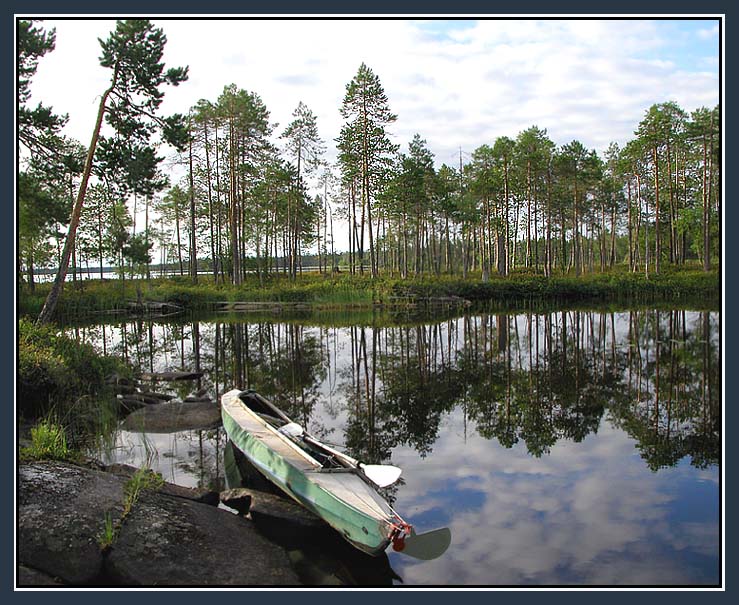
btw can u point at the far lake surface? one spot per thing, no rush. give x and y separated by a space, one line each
568 447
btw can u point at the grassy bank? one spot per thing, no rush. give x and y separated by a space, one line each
56 372
357 291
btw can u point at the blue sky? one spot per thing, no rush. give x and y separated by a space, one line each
693 45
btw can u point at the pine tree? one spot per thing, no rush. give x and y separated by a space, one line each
39 127
365 149
134 52
305 146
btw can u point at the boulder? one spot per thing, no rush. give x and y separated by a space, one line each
168 542
61 513
278 517
238 499
27 576
173 417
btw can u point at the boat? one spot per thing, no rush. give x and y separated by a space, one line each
337 488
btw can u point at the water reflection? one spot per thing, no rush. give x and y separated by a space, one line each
527 434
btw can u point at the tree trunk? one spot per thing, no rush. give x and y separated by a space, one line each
193 244
47 312
706 212
657 247
630 225
210 204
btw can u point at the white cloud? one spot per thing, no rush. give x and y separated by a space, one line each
708 32
587 512
495 78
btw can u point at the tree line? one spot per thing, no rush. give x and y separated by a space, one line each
245 205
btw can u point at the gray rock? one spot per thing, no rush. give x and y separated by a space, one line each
165 539
61 513
28 576
277 516
173 417
178 542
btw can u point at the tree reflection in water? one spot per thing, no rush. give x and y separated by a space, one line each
530 378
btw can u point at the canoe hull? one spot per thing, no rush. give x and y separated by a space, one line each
368 531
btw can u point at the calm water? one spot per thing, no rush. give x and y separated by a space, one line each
569 447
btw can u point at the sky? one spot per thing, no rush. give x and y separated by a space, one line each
458 83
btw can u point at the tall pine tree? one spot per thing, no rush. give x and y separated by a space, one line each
365 148
134 53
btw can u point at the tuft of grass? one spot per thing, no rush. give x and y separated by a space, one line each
48 442
143 479
109 533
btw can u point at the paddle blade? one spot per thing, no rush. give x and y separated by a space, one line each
291 429
429 545
381 475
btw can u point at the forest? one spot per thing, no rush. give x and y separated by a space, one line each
241 196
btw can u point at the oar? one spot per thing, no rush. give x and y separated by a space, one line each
381 475
427 546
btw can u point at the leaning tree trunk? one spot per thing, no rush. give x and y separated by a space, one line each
51 300
193 243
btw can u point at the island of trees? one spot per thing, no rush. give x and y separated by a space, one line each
243 206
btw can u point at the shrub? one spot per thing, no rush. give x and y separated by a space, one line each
54 369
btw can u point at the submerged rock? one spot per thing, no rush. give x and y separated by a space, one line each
173 417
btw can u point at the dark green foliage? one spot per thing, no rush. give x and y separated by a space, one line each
54 369
37 127
134 52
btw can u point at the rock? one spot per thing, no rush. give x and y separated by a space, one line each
204 399
190 493
116 378
203 391
61 513
177 542
170 376
239 499
164 540
160 396
28 576
173 417
278 517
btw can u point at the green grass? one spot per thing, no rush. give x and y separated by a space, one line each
109 533
143 479
48 442
56 371
347 291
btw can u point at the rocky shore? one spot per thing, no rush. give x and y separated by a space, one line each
173 536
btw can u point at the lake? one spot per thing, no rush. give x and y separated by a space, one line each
561 448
